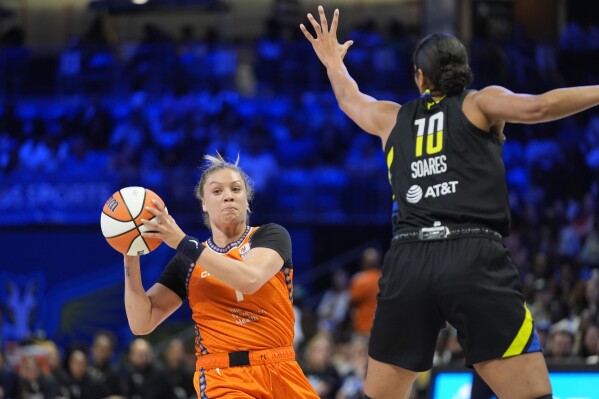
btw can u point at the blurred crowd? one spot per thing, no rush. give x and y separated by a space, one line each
147 111
331 340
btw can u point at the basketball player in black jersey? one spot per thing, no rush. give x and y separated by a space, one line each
446 262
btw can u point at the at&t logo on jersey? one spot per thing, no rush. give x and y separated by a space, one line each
414 194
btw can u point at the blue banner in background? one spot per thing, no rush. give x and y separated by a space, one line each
53 199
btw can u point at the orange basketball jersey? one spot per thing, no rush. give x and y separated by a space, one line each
229 321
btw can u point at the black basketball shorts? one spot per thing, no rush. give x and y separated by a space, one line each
468 281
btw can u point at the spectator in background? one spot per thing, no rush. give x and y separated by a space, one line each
541 299
363 290
34 153
561 344
102 366
132 133
95 122
68 75
334 304
9 381
81 384
543 326
34 384
145 380
82 161
589 255
332 138
364 157
318 367
592 297
352 380
179 374
589 348
305 325
260 162
56 369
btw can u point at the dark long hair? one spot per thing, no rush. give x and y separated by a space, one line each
444 61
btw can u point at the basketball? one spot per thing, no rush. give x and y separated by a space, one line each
121 220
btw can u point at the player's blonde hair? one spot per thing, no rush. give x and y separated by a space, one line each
214 164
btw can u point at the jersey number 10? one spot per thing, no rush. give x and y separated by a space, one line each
434 134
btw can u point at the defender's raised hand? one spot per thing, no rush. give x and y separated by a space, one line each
326 46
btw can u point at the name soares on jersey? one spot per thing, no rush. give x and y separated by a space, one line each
429 166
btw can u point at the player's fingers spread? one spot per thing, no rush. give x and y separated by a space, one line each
306 33
335 22
315 25
323 19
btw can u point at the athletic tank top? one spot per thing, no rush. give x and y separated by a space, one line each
227 320
443 168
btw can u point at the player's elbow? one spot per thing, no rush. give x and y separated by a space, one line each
249 287
250 284
538 110
345 105
141 329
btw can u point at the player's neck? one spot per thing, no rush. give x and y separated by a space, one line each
223 235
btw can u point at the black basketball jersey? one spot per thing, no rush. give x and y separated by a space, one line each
443 168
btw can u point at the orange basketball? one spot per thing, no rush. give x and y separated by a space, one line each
121 220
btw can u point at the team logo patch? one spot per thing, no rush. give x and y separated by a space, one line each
414 194
244 250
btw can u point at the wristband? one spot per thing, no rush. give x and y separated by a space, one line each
191 248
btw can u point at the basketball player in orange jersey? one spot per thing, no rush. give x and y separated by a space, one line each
446 262
239 287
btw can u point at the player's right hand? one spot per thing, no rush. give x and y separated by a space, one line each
162 226
327 47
